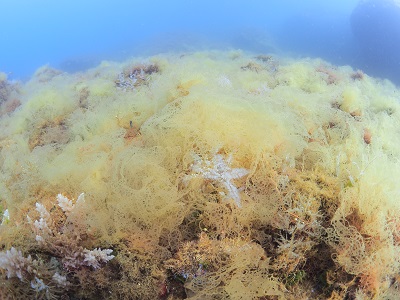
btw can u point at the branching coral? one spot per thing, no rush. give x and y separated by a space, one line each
15 264
25 269
51 235
54 236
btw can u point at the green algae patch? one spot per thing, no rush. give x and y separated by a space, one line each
212 175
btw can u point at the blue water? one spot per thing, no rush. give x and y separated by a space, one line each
74 35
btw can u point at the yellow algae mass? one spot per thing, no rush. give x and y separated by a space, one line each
212 175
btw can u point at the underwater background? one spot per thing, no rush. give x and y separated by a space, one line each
75 35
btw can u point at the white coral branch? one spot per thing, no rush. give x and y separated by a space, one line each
15 264
93 258
60 280
44 214
67 205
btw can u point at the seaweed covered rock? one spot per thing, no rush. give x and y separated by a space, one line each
211 175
